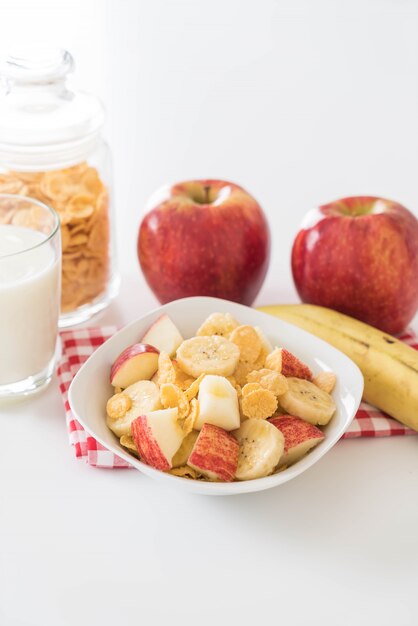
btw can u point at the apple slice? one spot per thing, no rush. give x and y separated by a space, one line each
137 362
157 436
287 364
137 399
218 403
299 437
164 335
215 454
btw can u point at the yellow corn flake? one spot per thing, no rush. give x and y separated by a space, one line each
249 387
274 360
325 381
243 369
118 389
91 182
118 405
232 380
248 342
260 404
191 417
193 390
241 372
172 396
65 237
166 370
184 472
57 185
81 206
221 324
269 379
182 380
10 185
261 361
127 442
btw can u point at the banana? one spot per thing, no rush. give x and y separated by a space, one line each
217 324
389 367
304 399
208 355
124 407
261 446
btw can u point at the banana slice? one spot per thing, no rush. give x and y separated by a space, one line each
208 355
217 324
304 399
137 399
260 447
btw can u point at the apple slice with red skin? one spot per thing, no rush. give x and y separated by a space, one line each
292 366
215 453
157 436
288 364
136 362
299 437
163 335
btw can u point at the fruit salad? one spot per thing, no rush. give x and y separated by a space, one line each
223 405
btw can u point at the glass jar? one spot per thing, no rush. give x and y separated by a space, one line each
52 149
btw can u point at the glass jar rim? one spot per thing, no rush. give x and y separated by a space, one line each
52 211
40 63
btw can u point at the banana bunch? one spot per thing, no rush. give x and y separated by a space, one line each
389 367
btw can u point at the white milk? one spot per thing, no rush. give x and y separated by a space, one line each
29 303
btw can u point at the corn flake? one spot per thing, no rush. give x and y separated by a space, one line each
269 379
193 389
191 417
166 372
249 387
260 404
172 396
127 442
248 342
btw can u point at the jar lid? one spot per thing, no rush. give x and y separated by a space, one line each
42 122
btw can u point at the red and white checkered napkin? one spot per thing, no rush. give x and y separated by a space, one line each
78 345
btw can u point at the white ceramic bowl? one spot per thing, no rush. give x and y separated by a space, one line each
91 389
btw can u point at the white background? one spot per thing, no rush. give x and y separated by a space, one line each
301 103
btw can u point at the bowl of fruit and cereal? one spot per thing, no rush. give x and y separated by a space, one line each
215 397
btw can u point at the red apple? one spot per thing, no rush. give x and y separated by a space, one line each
299 437
136 362
163 335
215 453
360 256
204 238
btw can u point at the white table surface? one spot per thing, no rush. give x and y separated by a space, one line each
273 95
80 545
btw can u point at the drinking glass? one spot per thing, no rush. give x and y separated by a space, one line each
30 277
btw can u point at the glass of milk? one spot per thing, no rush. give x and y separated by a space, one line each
30 260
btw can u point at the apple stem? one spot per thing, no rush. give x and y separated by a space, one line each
207 190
